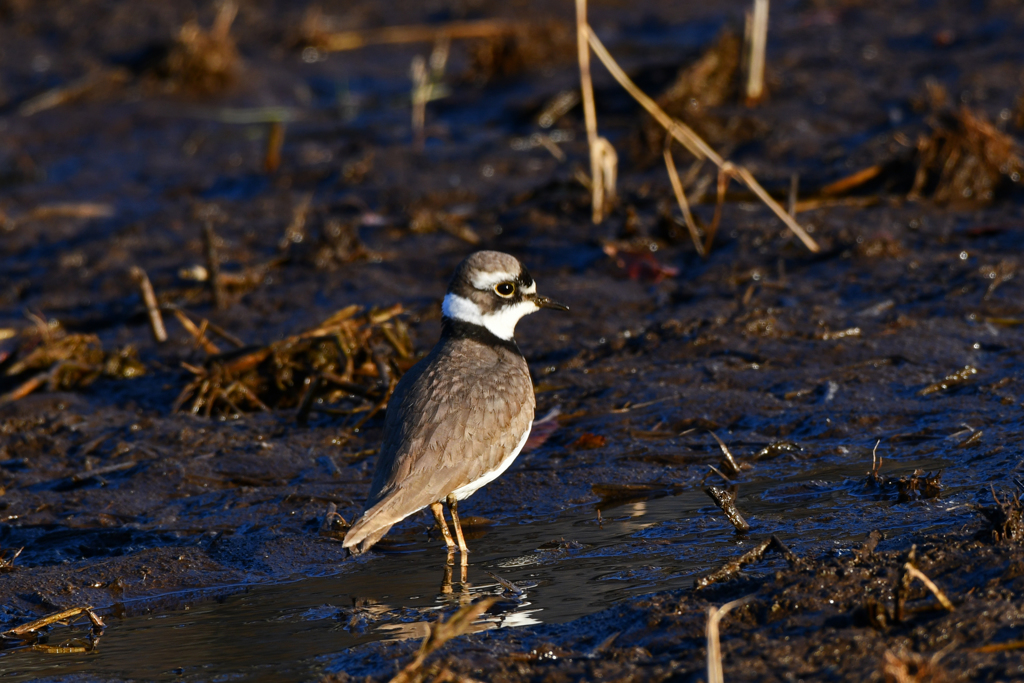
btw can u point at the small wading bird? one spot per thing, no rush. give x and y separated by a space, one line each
461 415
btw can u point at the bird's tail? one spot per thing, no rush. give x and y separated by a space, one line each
379 519
365 533
364 540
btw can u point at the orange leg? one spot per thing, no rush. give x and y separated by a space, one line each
453 507
438 510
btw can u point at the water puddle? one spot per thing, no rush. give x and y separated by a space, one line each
567 567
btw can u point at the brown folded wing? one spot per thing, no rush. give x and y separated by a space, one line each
453 418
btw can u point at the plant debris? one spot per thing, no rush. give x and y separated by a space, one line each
440 633
200 61
700 87
7 563
351 355
638 262
524 47
726 501
950 381
52 359
965 159
589 441
909 573
1005 519
631 493
32 632
756 554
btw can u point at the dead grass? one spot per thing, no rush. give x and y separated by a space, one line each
524 47
965 160
1005 519
698 148
30 632
203 61
440 633
352 356
709 82
51 359
911 667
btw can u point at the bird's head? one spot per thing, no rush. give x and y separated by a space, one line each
493 290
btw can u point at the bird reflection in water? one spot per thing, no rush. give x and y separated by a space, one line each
397 623
463 582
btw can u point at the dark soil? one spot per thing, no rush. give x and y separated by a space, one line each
120 146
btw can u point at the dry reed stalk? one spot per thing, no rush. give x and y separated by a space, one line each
608 163
420 93
199 336
225 335
684 205
156 320
440 633
715 615
730 461
915 573
757 43
853 180
1001 647
426 84
71 210
275 141
213 266
62 616
77 89
550 145
296 230
794 194
819 203
597 181
693 142
353 40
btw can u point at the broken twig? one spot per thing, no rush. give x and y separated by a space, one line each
156 319
726 501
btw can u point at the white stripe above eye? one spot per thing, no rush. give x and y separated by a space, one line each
488 280
501 323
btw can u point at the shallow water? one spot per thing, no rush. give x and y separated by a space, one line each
567 567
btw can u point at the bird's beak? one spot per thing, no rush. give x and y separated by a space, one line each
544 302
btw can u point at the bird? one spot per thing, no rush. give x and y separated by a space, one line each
459 417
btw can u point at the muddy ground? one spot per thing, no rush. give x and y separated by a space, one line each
901 335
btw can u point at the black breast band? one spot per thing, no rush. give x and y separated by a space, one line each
458 329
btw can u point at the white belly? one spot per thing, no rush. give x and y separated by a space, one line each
469 489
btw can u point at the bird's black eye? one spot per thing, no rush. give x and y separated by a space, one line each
504 289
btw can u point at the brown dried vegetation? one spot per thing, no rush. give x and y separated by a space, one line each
522 48
200 61
965 159
710 82
1005 519
49 357
351 354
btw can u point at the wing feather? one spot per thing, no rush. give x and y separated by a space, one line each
445 445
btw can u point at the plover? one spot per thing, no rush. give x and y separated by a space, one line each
461 415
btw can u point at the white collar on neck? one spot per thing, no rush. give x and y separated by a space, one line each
502 323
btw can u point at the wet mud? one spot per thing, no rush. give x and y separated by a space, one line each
298 232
